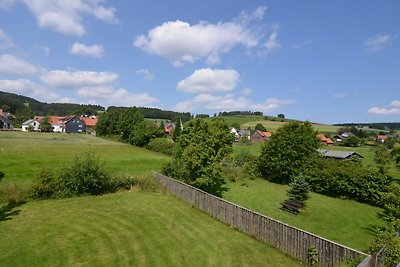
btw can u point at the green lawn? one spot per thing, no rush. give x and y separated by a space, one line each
125 229
345 221
24 154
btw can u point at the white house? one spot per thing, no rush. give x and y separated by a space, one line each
32 123
235 132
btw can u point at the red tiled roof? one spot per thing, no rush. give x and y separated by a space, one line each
382 137
264 134
328 141
91 122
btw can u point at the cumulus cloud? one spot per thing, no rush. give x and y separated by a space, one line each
66 16
229 102
392 109
6 41
28 88
74 79
377 43
209 80
86 50
119 97
148 75
181 42
11 65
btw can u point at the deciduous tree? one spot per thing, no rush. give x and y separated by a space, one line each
291 150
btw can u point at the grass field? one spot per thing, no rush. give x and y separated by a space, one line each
345 221
125 229
24 154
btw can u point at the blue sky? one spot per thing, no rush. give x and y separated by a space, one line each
324 61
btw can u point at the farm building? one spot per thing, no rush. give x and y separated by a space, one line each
339 155
90 123
5 123
32 124
259 136
325 140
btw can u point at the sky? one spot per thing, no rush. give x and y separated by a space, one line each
323 61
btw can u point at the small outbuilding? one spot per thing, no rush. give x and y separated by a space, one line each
339 154
5 123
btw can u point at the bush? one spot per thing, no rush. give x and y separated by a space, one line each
162 145
388 239
391 203
82 176
347 179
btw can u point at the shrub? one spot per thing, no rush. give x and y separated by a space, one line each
391 203
82 176
388 239
299 190
347 179
161 145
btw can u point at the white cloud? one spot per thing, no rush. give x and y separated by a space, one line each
118 97
66 16
376 43
86 50
181 42
246 91
148 75
73 79
11 65
209 80
44 49
6 41
28 88
229 102
340 95
213 59
301 45
272 42
392 109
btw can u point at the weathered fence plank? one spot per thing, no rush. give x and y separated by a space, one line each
291 240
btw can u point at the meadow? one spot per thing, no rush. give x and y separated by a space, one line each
344 221
128 228
24 154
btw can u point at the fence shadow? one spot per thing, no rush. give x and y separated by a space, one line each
9 210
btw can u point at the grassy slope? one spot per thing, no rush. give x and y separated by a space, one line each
126 229
344 221
25 154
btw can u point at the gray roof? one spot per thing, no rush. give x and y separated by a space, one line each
243 132
5 120
28 121
338 154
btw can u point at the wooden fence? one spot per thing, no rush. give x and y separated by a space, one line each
293 241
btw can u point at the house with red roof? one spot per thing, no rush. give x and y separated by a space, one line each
325 140
259 136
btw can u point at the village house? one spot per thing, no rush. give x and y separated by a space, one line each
244 133
5 123
90 123
340 137
325 140
169 127
259 136
31 125
380 138
235 133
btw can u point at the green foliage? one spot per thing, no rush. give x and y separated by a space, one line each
260 127
351 141
177 131
290 151
382 158
391 203
1 175
200 149
280 115
312 254
82 176
45 125
299 190
236 125
128 121
143 132
388 239
162 145
395 153
348 179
